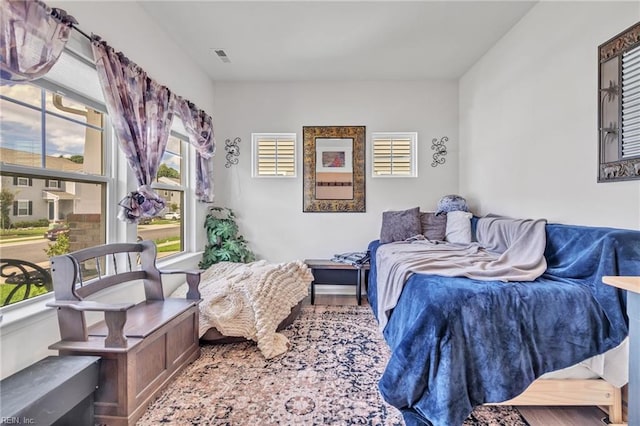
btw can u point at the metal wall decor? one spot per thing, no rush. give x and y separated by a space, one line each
233 151
440 150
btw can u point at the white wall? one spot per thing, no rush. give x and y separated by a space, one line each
126 27
270 210
528 119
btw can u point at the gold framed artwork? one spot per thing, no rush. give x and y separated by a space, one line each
334 169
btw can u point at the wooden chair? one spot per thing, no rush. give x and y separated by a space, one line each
142 346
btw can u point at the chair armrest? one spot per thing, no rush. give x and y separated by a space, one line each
85 305
115 317
193 280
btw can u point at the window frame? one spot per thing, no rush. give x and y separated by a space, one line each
413 136
49 186
22 184
117 179
18 208
178 131
254 153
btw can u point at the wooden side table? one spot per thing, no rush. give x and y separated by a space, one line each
334 273
632 285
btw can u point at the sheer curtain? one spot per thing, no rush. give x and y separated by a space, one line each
141 111
200 128
32 37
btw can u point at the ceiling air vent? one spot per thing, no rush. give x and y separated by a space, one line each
222 55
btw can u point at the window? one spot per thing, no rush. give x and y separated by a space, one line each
53 183
60 182
274 154
394 154
167 230
22 181
23 208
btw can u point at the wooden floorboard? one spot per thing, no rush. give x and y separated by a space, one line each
536 416
564 416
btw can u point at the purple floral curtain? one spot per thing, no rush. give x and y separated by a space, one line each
200 128
32 37
141 111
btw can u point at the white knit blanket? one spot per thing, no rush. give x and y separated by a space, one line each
250 300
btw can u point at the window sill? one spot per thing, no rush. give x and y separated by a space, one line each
29 312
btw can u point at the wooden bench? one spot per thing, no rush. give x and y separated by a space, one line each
142 346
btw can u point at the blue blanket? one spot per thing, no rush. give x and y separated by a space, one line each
457 343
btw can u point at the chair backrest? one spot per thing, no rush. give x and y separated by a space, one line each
85 272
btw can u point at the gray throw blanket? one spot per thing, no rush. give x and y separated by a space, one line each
507 250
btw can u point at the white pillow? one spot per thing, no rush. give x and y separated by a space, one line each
458 227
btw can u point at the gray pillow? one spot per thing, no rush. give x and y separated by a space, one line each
400 225
434 228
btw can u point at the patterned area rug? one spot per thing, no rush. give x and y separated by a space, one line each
328 377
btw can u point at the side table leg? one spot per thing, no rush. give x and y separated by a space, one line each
633 309
359 287
313 291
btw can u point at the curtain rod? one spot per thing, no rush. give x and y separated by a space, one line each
92 37
82 32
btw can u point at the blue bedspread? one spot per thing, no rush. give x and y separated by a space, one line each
457 343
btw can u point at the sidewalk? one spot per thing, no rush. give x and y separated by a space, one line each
15 240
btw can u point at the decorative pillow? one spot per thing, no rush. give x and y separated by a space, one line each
433 227
459 227
400 225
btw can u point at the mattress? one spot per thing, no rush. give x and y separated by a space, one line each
613 366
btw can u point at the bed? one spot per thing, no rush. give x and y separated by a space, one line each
458 342
251 301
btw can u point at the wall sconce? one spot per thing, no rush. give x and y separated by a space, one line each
440 150
233 151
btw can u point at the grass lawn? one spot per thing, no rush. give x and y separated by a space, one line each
6 234
168 244
5 289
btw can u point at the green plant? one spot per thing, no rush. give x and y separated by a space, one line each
6 202
61 246
32 223
224 243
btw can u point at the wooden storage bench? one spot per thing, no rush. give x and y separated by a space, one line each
142 346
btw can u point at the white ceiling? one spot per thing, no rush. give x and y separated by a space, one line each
336 40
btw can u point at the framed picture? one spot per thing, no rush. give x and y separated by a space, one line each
334 169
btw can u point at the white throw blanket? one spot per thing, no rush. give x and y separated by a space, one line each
507 250
251 300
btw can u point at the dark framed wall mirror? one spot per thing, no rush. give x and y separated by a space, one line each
334 169
619 107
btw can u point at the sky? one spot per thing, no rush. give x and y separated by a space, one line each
20 126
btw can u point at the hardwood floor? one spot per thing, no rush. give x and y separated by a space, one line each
536 416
